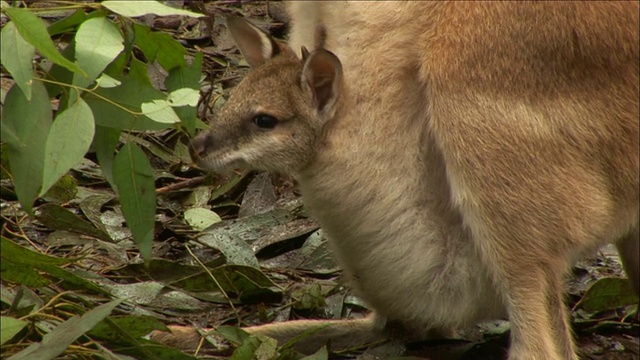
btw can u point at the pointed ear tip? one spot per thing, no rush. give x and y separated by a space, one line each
237 22
327 55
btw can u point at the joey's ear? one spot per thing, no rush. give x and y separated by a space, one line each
322 77
256 46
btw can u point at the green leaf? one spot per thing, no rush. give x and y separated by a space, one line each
15 252
140 8
16 55
170 52
67 23
104 143
139 71
61 75
9 327
68 141
19 273
25 127
256 347
35 33
122 111
56 217
59 339
234 249
15 258
134 179
608 294
250 284
322 354
106 81
201 218
184 97
63 191
98 43
186 77
161 47
160 111
134 326
232 334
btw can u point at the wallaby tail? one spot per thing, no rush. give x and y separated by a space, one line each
344 334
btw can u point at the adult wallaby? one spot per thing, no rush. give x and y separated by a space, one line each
459 155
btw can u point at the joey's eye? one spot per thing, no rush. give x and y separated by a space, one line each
265 121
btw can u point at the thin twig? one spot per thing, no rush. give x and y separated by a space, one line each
181 185
216 281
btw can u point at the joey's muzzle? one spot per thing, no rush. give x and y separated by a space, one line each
200 146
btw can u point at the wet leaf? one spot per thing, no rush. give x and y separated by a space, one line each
9 327
16 259
59 339
235 249
200 218
607 294
115 328
56 217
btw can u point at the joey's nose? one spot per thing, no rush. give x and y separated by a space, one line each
200 146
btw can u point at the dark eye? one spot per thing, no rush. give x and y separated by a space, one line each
265 121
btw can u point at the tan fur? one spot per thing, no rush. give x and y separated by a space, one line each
468 153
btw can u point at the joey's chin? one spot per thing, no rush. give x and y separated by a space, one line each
220 164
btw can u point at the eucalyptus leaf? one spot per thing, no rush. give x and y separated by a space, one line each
122 111
133 176
200 218
25 127
59 339
607 294
98 43
141 8
35 33
69 140
9 327
105 141
184 97
160 111
16 55
161 47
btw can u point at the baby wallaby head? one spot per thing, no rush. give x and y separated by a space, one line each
273 119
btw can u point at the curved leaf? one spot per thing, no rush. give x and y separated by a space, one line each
134 179
35 33
25 127
140 8
16 55
68 141
10 327
59 339
98 43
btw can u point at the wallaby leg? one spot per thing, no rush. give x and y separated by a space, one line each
537 332
629 250
560 320
343 334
